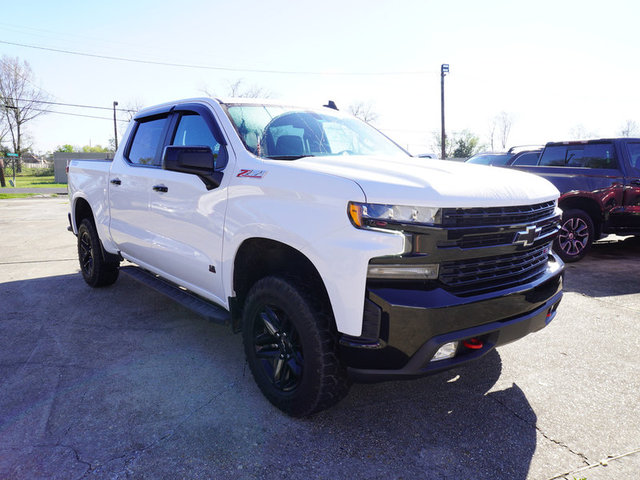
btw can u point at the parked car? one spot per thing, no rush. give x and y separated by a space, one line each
526 155
599 182
337 255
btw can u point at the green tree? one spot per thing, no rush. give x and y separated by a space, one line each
95 149
461 144
65 148
466 144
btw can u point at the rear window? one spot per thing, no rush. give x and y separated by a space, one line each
592 155
146 142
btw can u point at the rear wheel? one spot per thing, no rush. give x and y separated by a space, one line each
575 237
290 348
96 271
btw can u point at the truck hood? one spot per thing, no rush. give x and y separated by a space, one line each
436 183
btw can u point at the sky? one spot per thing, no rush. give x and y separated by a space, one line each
559 69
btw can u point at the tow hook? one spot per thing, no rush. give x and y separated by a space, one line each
473 343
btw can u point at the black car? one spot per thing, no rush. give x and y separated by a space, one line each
514 156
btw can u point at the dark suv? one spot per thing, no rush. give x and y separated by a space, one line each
599 182
514 156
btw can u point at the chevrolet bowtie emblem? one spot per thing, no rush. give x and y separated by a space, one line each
528 236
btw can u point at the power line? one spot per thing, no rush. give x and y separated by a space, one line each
72 105
210 67
77 115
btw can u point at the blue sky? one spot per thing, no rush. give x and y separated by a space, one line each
555 67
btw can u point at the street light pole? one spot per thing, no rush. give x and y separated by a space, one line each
115 128
444 69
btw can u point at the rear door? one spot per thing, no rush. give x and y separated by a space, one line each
187 219
630 212
130 180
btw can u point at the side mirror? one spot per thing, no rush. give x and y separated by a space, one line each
197 160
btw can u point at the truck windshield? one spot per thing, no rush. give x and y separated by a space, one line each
288 133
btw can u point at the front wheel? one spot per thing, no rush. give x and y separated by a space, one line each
96 271
290 348
575 237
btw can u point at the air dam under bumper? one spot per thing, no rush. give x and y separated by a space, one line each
411 325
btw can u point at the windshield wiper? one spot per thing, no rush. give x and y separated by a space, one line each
286 157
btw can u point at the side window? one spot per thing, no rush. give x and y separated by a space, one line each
144 147
553 156
575 157
590 155
527 159
193 130
634 157
600 155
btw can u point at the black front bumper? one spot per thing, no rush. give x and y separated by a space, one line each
404 327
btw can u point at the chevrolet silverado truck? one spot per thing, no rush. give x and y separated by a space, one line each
337 255
599 182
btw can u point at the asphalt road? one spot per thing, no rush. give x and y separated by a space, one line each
121 383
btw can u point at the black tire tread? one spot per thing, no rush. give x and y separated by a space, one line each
334 382
104 273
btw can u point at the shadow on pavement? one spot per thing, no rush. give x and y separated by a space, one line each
119 382
610 268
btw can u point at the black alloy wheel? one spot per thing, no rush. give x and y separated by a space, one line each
291 347
575 237
277 346
85 253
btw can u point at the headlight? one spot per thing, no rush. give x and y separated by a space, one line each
374 215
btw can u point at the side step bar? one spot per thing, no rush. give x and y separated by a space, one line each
185 298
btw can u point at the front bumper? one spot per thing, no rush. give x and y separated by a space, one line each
405 327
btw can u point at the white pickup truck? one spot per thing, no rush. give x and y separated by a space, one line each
336 254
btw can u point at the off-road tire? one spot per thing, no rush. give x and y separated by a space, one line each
291 349
575 237
96 271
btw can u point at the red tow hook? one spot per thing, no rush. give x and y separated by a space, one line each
473 343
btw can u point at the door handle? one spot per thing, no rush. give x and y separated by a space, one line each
116 181
635 182
160 188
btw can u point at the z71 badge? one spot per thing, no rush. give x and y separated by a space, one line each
251 173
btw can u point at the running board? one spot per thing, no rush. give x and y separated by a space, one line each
189 300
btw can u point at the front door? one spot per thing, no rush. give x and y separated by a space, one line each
187 218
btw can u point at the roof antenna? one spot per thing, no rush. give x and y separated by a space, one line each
331 104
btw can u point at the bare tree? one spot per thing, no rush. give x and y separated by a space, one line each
238 89
4 130
504 121
364 111
131 108
493 124
21 100
127 113
580 132
629 129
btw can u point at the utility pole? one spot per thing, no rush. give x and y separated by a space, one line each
444 69
115 128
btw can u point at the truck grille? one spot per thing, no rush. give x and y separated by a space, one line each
470 277
495 239
479 217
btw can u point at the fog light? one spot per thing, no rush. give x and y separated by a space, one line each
448 350
403 272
